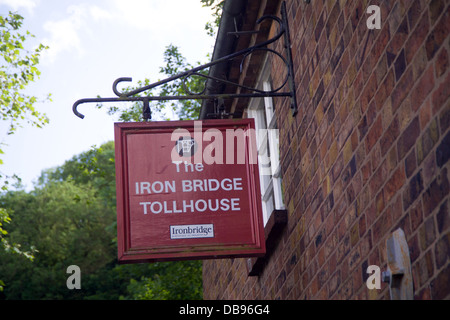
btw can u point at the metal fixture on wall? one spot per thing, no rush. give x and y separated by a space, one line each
283 31
398 274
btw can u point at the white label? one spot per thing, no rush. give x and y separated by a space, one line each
192 231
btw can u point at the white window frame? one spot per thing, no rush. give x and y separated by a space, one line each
267 139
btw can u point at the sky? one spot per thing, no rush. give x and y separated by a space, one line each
92 43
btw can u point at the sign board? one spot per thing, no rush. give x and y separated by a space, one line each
187 190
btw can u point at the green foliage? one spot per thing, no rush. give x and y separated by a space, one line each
70 219
65 224
216 8
185 109
18 67
133 112
172 281
94 167
175 64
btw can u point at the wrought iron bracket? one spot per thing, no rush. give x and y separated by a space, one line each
283 31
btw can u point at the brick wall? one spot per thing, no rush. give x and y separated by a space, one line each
366 154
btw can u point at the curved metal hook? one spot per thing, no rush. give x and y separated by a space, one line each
183 82
184 76
271 51
90 100
116 82
75 106
277 36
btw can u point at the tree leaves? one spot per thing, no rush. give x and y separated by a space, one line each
66 223
17 70
18 67
70 219
185 109
175 64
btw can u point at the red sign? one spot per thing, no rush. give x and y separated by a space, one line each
187 190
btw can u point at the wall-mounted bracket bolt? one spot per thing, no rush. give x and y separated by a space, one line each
386 276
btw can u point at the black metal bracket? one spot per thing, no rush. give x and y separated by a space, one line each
283 30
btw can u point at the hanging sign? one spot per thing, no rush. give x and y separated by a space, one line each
187 190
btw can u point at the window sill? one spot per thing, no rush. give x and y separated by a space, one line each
272 230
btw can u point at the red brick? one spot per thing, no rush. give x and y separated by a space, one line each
444 119
402 89
372 153
417 37
356 14
374 134
425 113
380 202
443 218
439 33
436 7
412 190
430 169
394 183
381 42
385 89
424 294
428 140
438 190
408 138
441 63
377 179
422 88
389 136
414 13
427 234
369 90
400 65
375 156
390 57
416 215
440 286
381 227
334 283
319 26
414 251
425 269
410 163
443 151
442 250
419 63
441 95
399 37
397 212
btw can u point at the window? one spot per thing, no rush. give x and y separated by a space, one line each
267 137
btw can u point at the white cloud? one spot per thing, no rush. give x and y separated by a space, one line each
152 15
29 5
180 22
64 34
141 14
99 14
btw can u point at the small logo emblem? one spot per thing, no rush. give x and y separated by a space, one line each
192 231
186 146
